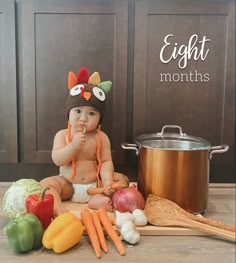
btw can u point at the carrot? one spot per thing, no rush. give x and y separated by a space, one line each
113 221
100 190
106 222
89 226
99 230
118 185
95 191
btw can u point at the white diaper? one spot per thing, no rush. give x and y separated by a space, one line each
80 192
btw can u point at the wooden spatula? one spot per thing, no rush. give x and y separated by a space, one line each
163 212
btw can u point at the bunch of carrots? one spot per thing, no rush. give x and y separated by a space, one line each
94 223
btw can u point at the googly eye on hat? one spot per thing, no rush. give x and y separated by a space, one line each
86 90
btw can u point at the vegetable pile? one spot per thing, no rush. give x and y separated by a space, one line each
63 233
32 224
93 224
24 233
15 196
127 223
41 205
128 199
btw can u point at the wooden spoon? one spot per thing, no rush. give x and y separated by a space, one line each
163 212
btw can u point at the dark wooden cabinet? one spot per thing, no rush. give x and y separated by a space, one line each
60 36
42 40
184 72
8 92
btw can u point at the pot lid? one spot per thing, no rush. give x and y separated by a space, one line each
172 141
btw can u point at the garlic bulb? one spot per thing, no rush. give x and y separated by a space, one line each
123 217
140 218
129 233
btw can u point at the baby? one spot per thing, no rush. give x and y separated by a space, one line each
83 151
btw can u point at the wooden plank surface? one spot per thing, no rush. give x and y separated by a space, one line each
148 230
162 248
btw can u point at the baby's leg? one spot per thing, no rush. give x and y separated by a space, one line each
121 178
100 200
61 189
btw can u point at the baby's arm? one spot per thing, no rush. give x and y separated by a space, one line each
63 153
107 173
107 169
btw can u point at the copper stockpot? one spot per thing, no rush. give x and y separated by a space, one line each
175 166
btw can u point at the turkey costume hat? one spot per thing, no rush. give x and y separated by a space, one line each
87 90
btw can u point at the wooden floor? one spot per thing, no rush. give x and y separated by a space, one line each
179 249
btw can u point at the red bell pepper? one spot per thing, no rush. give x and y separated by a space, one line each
41 205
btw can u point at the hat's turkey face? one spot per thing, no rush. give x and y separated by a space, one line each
88 92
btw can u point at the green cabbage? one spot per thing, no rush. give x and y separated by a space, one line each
15 196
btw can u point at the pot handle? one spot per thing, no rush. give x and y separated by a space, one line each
130 146
218 149
173 127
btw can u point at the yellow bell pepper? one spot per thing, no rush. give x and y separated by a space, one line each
64 232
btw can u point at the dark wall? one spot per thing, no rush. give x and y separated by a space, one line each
43 40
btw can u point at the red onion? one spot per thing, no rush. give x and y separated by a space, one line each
128 199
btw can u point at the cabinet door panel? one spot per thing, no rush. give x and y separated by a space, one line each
199 97
62 36
8 105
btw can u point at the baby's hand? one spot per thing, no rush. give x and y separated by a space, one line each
108 190
78 140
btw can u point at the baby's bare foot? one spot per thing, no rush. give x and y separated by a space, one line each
59 210
108 205
98 201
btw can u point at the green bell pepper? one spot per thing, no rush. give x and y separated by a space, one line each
25 233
